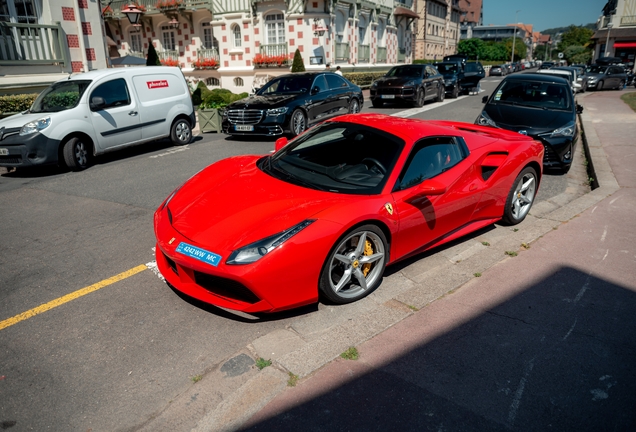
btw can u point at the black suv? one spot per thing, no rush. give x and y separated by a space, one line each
290 103
460 77
414 83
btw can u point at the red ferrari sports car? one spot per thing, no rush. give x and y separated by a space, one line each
329 210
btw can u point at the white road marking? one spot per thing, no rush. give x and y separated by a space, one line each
571 329
614 200
414 111
514 407
171 151
604 234
586 286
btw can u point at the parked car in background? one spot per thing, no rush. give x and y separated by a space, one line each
560 73
546 65
574 72
581 76
291 103
538 105
413 83
497 70
97 112
606 76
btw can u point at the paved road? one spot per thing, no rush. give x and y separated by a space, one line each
115 357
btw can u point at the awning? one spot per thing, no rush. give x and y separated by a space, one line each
402 11
624 44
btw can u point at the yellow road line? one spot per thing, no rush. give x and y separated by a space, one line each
72 296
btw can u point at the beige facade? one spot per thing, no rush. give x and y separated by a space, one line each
615 34
438 28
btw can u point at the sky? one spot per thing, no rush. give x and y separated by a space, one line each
542 14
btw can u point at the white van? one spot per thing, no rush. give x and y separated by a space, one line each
96 112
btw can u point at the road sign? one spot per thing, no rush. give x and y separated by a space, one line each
560 55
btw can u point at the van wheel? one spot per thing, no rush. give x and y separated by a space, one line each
181 134
76 154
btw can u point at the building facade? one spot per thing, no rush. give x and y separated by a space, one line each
615 34
472 14
437 32
44 41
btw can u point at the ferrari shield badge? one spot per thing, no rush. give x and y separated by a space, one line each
389 208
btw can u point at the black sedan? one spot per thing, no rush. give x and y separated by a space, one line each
291 103
414 83
541 106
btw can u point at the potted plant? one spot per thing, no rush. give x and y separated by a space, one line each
206 63
170 62
169 5
213 103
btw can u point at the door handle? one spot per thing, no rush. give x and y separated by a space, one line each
133 113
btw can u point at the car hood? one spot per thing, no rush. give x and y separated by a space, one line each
233 203
532 120
264 102
394 81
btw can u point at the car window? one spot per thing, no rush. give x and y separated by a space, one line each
406 71
445 68
430 157
597 69
287 84
335 82
320 83
60 96
431 71
533 94
115 93
473 67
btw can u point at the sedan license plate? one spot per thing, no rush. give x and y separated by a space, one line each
244 128
4 152
387 96
198 253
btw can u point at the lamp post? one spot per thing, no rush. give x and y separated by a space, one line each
514 39
133 13
609 27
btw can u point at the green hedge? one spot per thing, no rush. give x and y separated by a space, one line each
363 79
16 103
217 98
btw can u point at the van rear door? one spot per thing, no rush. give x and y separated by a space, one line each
114 113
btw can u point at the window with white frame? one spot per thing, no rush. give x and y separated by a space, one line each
275 28
135 42
381 29
19 11
340 26
209 41
362 30
238 82
236 33
168 40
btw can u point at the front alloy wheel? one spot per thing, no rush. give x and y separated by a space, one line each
354 106
354 268
298 123
521 197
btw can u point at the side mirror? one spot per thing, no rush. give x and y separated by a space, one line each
97 102
431 187
579 109
484 99
280 143
315 90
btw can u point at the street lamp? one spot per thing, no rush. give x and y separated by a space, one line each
133 13
174 23
514 39
609 27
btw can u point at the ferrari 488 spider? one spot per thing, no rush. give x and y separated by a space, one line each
329 210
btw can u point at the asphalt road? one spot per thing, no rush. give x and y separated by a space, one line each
113 358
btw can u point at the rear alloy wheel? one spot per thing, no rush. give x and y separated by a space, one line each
621 85
441 94
419 98
455 92
76 154
521 197
599 86
355 266
181 134
354 106
298 122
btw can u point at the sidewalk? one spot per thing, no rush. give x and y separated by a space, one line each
542 341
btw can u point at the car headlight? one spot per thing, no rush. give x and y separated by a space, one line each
276 111
409 84
565 131
374 85
257 250
35 126
484 120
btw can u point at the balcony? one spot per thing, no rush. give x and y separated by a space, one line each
274 49
22 44
364 53
381 55
150 6
342 52
168 55
629 20
208 53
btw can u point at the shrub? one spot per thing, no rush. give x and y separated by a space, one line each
16 103
298 65
218 98
363 79
153 58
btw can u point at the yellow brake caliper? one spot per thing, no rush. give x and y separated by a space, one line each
368 250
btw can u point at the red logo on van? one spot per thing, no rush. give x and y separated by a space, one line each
157 84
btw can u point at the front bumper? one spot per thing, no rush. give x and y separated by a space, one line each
28 150
391 94
559 152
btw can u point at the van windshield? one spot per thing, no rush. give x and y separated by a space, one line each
60 96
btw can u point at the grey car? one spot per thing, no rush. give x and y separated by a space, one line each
602 77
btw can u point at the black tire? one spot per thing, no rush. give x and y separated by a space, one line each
345 276
521 196
354 106
441 94
298 123
599 86
181 132
377 103
621 85
419 99
76 154
455 92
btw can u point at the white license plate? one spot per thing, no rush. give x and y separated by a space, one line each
244 128
4 152
387 96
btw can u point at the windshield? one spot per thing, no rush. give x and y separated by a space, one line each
597 69
60 96
287 85
446 68
337 157
406 72
533 94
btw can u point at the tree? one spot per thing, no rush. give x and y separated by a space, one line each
520 48
153 58
576 36
298 65
576 54
473 48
